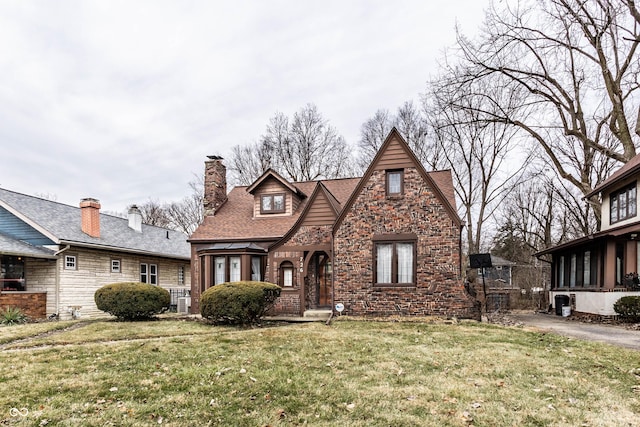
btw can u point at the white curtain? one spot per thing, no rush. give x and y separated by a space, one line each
234 269
287 276
219 270
255 269
383 267
405 262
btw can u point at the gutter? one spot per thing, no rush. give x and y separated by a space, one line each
58 278
126 250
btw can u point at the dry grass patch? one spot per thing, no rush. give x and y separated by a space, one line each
353 373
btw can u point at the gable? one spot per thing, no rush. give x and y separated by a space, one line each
320 211
272 186
14 227
396 154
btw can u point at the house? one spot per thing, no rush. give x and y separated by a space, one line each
387 243
591 273
53 257
497 282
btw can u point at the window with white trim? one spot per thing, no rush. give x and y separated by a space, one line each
70 262
115 266
149 273
181 275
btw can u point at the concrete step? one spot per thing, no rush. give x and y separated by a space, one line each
317 314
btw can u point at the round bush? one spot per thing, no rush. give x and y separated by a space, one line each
238 303
132 300
628 307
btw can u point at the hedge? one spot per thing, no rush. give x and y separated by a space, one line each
238 302
132 300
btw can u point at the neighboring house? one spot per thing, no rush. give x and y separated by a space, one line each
53 257
387 243
497 281
593 272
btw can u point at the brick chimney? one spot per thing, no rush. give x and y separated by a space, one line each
135 219
90 214
215 185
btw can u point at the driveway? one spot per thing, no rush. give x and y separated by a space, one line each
610 334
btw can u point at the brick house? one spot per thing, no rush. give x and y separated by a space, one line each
387 243
591 273
53 257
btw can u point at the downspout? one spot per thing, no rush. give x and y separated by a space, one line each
58 279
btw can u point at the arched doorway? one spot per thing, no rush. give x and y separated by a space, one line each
321 270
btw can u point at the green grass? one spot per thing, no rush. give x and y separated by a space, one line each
352 373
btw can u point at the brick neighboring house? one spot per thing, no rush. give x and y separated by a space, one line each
387 243
53 257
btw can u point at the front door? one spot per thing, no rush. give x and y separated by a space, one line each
323 280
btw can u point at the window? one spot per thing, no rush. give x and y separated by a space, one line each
12 273
70 262
586 280
234 269
272 203
395 183
561 272
256 268
220 275
623 204
149 273
181 275
394 263
115 266
286 274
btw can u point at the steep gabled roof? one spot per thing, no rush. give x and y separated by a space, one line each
62 224
627 170
270 173
235 221
447 200
321 196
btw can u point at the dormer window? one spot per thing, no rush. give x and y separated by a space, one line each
623 204
395 182
272 203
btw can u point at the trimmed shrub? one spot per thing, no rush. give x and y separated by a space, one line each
132 300
12 316
238 303
628 307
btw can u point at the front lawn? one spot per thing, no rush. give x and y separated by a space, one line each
353 373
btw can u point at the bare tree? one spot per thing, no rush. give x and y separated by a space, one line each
481 155
576 65
154 213
304 148
187 214
412 125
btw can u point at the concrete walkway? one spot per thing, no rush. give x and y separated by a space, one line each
610 334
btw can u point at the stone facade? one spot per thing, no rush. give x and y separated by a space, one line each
215 185
439 288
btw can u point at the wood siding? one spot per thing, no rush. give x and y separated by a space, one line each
320 213
272 186
395 157
14 227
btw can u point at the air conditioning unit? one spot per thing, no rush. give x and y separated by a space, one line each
184 304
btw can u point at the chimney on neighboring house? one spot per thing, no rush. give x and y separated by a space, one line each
135 219
215 185
90 215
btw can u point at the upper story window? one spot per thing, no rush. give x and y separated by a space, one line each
395 182
272 203
623 204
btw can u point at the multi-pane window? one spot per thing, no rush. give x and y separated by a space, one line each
181 275
115 266
394 263
272 203
577 269
394 182
623 204
70 262
149 273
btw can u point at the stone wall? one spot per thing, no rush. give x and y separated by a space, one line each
439 286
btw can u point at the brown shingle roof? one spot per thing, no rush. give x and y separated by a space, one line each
629 168
234 220
444 181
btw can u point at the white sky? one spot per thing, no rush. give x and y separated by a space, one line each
123 100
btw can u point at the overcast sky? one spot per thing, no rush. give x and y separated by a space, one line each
123 100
